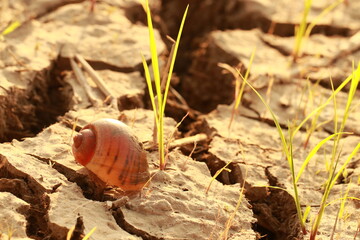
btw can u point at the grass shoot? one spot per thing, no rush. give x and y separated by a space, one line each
86 237
159 96
334 172
228 224
239 87
314 125
303 31
224 168
287 150
12 27
287 147
300 30
341 213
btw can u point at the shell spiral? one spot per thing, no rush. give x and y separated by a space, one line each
108 149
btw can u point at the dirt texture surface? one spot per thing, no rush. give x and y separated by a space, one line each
225 182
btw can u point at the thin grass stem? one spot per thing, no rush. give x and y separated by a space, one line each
333 176
159 96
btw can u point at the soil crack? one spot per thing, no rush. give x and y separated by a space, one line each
92 189
26 188
53 6
26 112
120 220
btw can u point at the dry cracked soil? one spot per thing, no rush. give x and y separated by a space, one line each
44 192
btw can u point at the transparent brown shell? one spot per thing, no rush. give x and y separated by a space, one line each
116 157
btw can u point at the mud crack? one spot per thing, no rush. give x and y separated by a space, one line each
276 213
67 51
120 220
27 111
53 6
91 187
26 188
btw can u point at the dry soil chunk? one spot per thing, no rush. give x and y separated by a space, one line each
68 202
12 216
128 88
176 205
272 63
106 37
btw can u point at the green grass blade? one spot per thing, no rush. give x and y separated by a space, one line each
353 86
157 81
173 59
278 127
70 232
275 187
159 105
341 199
224 168
320 16
87 236
320 108
238 98
341 170
352 91
149 84
335 107
312 153
287 148
228 224
154 55
343 202
306 213
300 30
11 28
161 142
330 185
354 77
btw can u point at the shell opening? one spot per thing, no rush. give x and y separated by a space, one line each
84 146
78 138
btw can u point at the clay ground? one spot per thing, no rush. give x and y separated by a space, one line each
44 192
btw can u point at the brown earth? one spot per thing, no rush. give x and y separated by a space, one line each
44 192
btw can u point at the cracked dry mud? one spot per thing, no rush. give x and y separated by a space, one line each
44 192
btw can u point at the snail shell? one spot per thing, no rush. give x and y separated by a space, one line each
108 149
